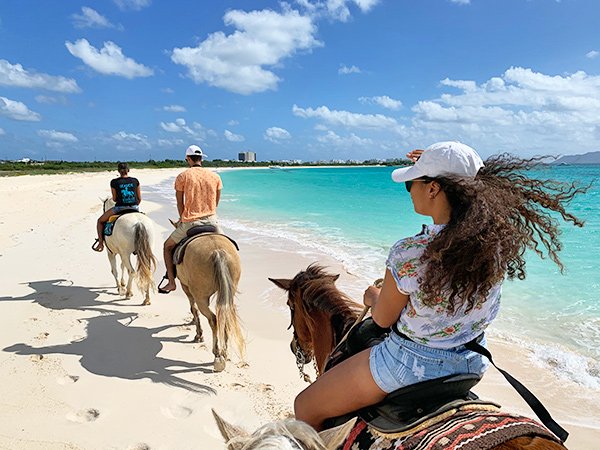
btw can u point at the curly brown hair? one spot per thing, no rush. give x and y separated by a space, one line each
495 218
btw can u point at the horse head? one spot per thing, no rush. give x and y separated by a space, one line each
320 314
286 434
107 203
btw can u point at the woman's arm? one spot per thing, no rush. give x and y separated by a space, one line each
114 194
386 303
138 193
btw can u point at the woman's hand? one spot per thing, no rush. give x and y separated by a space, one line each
371 295
414 155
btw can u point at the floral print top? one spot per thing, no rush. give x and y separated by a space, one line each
432 325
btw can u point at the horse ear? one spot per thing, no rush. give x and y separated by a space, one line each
282 283
334 278
229 431
335 437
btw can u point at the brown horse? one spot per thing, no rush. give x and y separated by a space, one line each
321 315
210 265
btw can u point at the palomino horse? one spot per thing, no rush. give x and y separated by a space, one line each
210 265
321 315
132 233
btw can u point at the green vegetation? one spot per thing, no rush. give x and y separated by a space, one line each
13 168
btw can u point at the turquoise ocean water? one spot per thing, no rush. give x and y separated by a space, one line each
356 214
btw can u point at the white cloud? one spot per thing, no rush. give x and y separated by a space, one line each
133 5
232 137
349 119
521 110
336 9
16 75
109 60
54 135
196 130
241 62
233 123
592 54
51 100
130 141
382 100
17 110
90 18
174 108
168 91
461 2
345 70
276 134
171 143
2 132
348 142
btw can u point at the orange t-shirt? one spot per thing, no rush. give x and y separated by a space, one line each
199 187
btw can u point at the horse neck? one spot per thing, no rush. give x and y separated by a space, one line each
323 338
328 331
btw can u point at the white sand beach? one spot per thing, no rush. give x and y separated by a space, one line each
83 368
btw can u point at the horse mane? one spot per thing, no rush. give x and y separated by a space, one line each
317 291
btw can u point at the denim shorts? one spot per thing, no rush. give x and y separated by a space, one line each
398 362
118 209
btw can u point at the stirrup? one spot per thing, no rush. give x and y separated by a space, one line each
95 245
160 289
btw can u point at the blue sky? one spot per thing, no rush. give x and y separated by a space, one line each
303 79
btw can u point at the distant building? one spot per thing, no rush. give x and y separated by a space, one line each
247 156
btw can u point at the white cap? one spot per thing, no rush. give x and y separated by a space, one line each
442 158
194 150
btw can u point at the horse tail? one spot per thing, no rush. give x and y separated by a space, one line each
146 261
228 322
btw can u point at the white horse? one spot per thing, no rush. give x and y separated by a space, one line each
132 233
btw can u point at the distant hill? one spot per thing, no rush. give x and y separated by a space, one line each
586 158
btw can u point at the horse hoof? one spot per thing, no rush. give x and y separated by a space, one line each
219 364
198 339
146 302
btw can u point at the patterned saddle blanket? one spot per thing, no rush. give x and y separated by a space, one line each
110 223
470 427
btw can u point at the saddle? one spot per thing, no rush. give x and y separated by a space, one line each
194 233
110 223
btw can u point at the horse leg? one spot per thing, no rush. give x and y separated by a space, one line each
220 356
113 268
127 263
194 310
122 283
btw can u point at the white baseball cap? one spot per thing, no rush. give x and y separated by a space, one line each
194 150
442 158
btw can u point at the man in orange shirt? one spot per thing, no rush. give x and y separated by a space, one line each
198 191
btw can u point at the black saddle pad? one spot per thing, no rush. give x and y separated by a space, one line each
199 229
411 405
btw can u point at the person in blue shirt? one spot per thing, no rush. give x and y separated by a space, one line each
127 196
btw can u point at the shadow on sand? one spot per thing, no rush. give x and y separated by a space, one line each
113 347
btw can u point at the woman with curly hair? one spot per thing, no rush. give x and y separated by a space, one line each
442 287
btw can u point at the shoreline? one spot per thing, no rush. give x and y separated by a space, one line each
146 383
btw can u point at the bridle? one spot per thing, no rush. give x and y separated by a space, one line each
301 358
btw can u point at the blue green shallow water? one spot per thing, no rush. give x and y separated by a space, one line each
355 215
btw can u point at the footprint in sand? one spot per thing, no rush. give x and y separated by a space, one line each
42 336
176 412
84 415
140 446
67 379
36 358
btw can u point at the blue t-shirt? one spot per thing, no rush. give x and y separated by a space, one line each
126 188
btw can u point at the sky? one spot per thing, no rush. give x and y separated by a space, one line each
302 79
